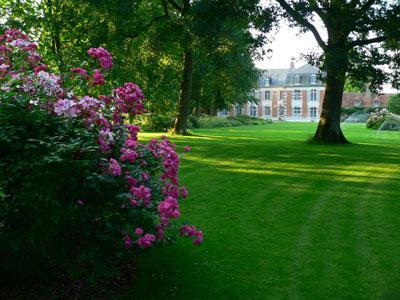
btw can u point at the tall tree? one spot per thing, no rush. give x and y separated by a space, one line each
198 39
224 72
363 35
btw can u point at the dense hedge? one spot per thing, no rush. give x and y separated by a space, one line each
211 122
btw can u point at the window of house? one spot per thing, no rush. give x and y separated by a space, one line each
267 111
358 102
224 112
267 95
313 95
313 112
296 111
313 79
238 110
259 95
297 95
253 111
376 103
281 110
282 95
297 79
267 82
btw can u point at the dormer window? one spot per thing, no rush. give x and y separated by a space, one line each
267 82
297 79
313 79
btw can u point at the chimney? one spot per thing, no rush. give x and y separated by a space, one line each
292 64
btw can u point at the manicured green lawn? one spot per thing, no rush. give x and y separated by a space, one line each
283 219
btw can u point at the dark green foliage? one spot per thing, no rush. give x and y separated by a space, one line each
394 104
354 87
47 166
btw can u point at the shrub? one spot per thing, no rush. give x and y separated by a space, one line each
211 122
247 120
156 123
361 117
384 120
377 118
78 192
193 122
351 110
394 104
392 122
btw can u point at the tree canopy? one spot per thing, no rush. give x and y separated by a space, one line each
150 41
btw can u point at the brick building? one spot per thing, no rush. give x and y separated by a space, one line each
296 94
364 100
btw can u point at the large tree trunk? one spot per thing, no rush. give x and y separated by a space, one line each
196 95
185 93
329 130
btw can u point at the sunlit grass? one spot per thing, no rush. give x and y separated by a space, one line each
283 218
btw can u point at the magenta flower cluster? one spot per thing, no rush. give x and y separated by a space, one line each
128 99
148 173
103 56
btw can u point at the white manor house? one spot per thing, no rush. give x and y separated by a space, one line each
293 94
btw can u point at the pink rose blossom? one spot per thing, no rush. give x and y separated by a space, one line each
138 231
146 241
184 192
98 78
66 108
81 72
103 56
114 168
128 241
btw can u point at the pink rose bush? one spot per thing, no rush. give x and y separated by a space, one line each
140 179
106 115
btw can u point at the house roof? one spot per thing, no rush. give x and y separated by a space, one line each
306 69
364 99
286 77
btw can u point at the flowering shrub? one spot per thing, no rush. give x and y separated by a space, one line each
384 120
80 188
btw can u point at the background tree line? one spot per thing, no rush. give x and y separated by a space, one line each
187 56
